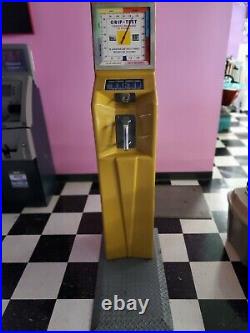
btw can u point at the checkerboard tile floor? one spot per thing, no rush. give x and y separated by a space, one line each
50 255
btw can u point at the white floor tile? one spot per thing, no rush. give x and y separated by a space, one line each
236 182
186 315
40 281
86 248
219 144
71 315
245 142
8 221
93 204
216 280
46 209
227 136
216 173
238 151
198 226
245 168
232 254
217 201
18 248
76 188
4 305
225 161
62 224
184 182
173 248
238 130
240 115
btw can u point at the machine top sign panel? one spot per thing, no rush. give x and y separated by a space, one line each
123 36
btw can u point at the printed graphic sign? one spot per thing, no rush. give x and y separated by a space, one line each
123 35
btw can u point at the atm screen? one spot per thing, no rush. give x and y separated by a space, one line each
6 90
14 60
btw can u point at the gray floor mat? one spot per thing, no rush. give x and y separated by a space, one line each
187 202
133 278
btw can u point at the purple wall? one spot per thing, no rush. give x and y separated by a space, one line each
191 49
236 29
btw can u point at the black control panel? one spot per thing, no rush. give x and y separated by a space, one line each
11 101
127 84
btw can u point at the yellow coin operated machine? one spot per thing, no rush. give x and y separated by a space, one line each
124 110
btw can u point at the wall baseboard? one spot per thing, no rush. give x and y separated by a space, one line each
161 177
93 177
184 175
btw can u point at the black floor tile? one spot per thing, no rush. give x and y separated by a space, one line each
179 280
222 152
168 226
242 135
243 160
213 185
12 209
225 315
79 281
242 274
29 224
220 218
91 223
232 172
53 248
235 124
11 273
70 204
205 247
22 315
58 187
244 115
95 189
162 182
232 143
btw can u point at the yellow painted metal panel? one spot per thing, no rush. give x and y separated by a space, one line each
127 178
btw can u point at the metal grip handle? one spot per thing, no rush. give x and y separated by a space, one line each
126 136
125 131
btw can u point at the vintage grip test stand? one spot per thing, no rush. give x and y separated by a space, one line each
124 111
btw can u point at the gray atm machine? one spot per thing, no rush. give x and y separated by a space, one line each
28 176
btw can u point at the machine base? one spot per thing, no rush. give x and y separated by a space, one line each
35 192
132 279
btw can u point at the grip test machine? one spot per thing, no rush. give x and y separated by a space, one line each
124 109
124 113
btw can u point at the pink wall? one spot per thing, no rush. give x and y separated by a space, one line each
191 48
236 29
192 42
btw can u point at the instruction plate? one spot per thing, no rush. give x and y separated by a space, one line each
18 180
